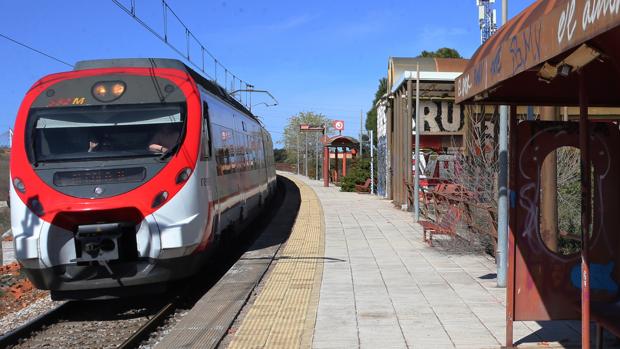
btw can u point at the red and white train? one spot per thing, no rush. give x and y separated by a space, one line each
126 172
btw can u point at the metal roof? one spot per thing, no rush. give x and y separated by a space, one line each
398 66
505 69
437 75
342 141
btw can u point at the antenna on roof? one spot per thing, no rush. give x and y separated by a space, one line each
487 17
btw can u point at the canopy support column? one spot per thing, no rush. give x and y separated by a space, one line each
584 141
336 177
325 166
345 151
416 156
512 225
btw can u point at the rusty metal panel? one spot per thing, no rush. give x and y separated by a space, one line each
547 285
450 64
543 31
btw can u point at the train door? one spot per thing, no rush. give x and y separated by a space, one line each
207 174
265 166
241 161
260 162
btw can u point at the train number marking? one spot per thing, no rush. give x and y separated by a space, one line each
79 101
67 101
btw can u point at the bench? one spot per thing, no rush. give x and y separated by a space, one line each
424 196
363 188
446 225
481 219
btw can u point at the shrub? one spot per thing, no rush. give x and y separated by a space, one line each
356 174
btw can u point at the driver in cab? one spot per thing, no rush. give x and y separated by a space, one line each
164 139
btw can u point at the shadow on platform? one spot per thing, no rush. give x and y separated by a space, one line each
284 209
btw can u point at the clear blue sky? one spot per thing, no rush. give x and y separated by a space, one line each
322 56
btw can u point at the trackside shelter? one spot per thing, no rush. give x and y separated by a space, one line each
558 53
339 148
443 121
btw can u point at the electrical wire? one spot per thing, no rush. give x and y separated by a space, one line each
35 50
189 34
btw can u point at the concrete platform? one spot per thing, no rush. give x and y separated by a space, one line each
382 287
283 315
207 323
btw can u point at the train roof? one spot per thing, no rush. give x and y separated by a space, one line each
207 84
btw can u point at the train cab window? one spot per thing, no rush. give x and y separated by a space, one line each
206 132
90 133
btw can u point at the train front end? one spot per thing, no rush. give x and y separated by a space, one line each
104 192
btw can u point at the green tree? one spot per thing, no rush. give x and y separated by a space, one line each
291 134
443 52
371 115
279 155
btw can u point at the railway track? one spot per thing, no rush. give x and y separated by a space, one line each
11 338
100 324
126 323
119 323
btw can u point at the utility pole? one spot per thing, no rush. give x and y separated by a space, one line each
502 185
372 164
316 153
306 155
297 153
418 129
361 141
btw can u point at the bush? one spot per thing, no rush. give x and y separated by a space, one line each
356 174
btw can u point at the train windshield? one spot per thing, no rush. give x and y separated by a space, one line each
95 133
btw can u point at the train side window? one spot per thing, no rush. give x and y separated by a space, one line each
206 132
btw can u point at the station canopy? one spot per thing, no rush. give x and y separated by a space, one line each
342 141
437 75
534 58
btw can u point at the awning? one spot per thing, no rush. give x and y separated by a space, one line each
342 141
532 47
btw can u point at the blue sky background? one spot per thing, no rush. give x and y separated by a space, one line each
321 56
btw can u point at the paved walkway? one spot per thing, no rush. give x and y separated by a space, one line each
382 287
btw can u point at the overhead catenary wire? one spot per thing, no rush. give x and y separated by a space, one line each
189 36
36 50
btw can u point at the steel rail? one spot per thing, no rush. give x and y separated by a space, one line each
12 337
145 330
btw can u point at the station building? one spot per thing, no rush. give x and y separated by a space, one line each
443 124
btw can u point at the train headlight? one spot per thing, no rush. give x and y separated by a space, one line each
118 89
183 175
100 91
108 91
159 199
19 185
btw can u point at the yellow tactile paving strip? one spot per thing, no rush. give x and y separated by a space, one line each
284 313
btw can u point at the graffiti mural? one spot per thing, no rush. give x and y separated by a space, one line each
440 117
546 283
437 167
